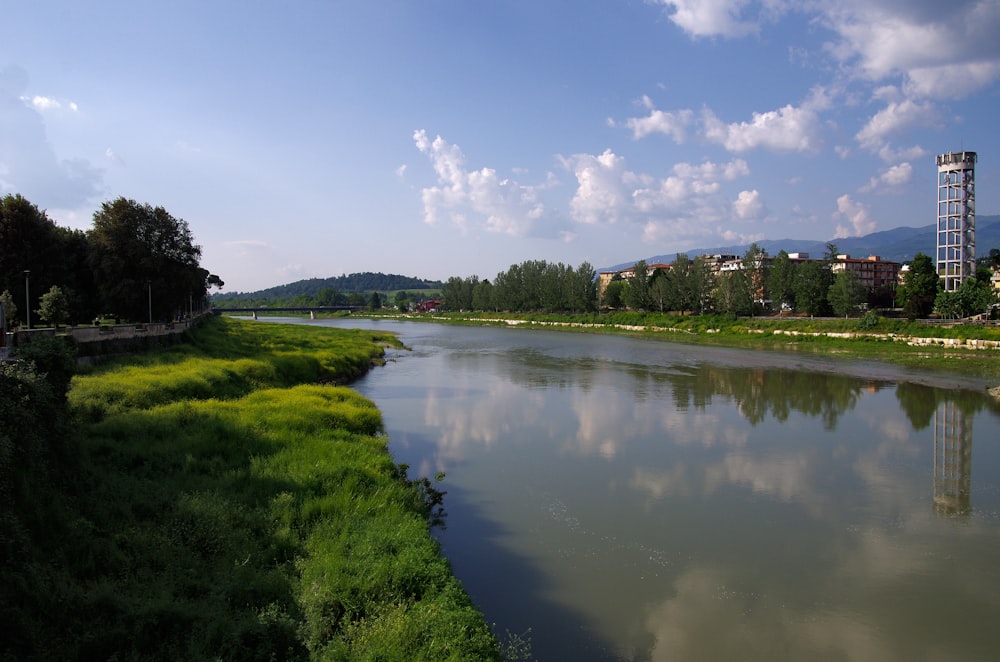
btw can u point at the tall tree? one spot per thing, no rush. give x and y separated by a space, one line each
482 295
29 241
637 292
812 281
613 295
781 283
755 276
661 291
701 283
142 256
583 288
732 294
846 293
919 288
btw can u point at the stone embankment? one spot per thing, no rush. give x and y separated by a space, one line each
913 341
98 342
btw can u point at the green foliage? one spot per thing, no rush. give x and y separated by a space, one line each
143 258
54 357
53 307
531 286
846 293
869 321
811 284
231 511
920 287
973 297
29 240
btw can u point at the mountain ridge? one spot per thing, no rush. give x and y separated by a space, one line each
362 282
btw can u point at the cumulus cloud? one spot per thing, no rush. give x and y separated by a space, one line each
28 163
748 205
495 203
673 124
856 215
942 50
703 18
689 202
891 177
896 118
938 49
788 129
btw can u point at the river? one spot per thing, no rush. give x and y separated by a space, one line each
613 498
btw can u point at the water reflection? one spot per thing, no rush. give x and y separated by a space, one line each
952 459
664 502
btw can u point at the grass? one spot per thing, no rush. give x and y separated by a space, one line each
231 502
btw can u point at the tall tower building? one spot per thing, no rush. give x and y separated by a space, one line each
956 218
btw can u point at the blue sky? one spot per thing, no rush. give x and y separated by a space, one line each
439 138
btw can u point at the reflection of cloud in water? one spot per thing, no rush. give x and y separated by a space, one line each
709 619
607 421
658 484
485 420
789 476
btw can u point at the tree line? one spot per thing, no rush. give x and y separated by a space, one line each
534 285
135 262
753 285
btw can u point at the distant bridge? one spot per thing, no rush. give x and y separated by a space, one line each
312 310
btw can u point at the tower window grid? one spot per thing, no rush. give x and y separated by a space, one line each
956 218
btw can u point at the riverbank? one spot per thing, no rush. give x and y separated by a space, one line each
225 500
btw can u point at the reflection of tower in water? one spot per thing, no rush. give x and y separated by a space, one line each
952 460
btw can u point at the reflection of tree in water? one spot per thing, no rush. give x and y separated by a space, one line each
757 390
761 391
920 402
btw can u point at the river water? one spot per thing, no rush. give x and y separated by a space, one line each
612 498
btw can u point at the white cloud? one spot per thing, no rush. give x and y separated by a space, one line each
786 129
891 177
30 165
856 215
702 18
673 124
896 118
748 205
41 103
499 204
602 194
942 49
688 203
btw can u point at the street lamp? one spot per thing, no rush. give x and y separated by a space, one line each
27 297
149 286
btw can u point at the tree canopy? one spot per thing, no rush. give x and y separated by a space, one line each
144 261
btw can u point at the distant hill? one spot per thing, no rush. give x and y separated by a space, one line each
360 283
897 245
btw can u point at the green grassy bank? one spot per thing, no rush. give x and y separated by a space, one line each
225 499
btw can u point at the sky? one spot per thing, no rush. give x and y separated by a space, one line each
440 138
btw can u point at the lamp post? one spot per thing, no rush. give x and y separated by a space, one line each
149 287
27 297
